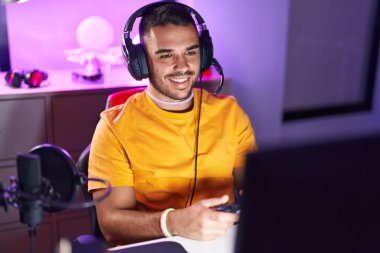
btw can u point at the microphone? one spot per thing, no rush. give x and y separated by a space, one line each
219 69
29 189
47 180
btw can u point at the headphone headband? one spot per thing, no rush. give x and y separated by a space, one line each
140 12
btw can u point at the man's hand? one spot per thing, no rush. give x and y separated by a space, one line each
200 221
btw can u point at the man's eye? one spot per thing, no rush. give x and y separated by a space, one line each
165 56
191 53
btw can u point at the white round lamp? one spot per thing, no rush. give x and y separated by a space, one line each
95 34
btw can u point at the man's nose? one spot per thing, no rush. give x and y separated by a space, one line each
181 63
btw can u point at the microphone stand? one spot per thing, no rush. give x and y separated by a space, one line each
28 193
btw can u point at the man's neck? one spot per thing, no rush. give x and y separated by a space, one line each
173 106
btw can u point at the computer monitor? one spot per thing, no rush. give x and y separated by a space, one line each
5 64
321 198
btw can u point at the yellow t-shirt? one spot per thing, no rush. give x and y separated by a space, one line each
138 144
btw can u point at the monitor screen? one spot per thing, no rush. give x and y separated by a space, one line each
5 63
322 197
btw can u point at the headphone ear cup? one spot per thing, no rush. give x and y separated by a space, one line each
134 56
144 69
14 78
34 78
207 50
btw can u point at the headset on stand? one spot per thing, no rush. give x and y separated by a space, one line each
32 78
135 57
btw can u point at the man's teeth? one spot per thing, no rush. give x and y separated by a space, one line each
178 80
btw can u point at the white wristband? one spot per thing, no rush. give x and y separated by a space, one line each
164 228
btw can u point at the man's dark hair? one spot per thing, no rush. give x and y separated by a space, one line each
163 15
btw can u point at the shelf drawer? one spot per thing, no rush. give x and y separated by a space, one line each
22 126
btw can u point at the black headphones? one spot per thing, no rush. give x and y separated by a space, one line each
32 78
135 57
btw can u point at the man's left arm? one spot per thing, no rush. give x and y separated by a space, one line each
246 142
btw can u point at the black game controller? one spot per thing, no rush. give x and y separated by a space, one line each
234 208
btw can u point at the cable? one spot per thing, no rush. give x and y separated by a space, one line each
197 140
85 204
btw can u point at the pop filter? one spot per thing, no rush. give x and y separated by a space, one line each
61 180
59 169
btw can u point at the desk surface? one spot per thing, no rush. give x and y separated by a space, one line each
223 244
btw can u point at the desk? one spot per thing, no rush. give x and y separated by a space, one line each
223 244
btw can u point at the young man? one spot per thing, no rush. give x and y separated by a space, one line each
149 148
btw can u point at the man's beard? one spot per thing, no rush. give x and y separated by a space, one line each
159 85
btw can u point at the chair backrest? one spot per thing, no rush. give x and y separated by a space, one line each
82 165
120 97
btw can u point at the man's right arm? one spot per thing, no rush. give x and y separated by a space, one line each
121 224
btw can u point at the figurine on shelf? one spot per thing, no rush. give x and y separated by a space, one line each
94 36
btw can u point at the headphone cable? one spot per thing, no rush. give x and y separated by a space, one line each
197 139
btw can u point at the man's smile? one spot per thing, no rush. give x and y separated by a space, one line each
178 79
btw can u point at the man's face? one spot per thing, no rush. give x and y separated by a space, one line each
174 60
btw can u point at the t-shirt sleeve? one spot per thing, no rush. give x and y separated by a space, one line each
246 138
108 160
